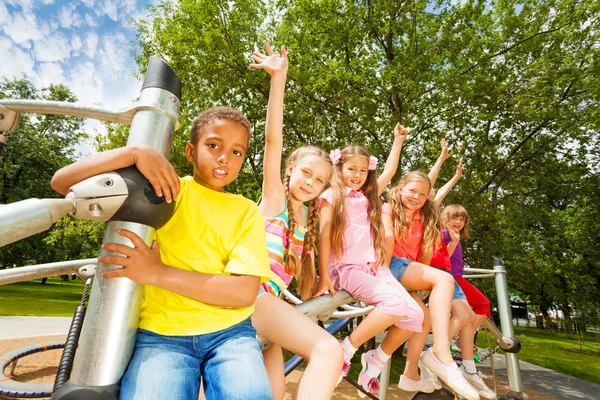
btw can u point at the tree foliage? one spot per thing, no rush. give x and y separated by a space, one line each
513 87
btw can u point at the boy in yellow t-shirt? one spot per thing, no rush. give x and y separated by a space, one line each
202 282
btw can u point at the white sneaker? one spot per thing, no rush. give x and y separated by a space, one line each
409 385
428 376
476 380
450 375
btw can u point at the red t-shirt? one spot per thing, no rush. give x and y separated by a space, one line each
410 247
441 257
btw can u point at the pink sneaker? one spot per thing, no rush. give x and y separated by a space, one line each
409 385
450 375
369 383
346 366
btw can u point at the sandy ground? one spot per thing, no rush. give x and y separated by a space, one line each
41 368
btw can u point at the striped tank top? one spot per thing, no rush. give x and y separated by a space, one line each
277 229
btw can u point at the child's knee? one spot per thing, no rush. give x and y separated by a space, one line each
328 349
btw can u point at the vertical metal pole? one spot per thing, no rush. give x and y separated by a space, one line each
513 369
109 330
384 381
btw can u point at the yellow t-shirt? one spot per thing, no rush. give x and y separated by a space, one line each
212 233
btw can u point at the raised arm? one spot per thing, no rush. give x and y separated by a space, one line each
273 194
444 190
391 165
324 251
152 164
433 174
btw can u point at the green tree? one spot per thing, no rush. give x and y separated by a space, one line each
513 86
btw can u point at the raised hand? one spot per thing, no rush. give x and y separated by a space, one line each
445 154
272 63
400 132
459 169
454 235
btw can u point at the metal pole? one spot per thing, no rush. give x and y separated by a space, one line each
28 217
31 272
109 330
384 380
513 369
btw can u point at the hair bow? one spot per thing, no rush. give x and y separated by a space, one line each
372 163
335 156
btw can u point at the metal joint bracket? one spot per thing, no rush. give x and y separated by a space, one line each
9 121
98 198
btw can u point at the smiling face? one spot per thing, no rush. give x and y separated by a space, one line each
414 195
219 154
456 222
308 177
355 171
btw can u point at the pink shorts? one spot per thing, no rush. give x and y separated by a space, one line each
380 289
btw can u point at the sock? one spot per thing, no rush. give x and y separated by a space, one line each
349 350
373 370
470 366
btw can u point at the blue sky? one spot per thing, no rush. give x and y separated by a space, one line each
85 44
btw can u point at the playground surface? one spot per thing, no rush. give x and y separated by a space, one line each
540 383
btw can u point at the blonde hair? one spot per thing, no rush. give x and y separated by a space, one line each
430 214
338 222
303 269
456 210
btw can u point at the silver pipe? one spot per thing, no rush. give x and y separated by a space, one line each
384 380
483 271
30 272
66 108
479 276
354 313
513 369
323 304
27 217
109 330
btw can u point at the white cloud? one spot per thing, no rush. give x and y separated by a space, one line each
55 47
50 73
23 27
113 54
47 2
4 16
76 43
109 7
91 43
89 20
68 17
86 83
26 5
21 63
88 3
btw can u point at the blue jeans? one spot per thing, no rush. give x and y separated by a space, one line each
230 363
398 267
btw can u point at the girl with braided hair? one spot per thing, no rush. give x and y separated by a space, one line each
291 229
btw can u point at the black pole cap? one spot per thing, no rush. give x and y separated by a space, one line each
160 75
496 262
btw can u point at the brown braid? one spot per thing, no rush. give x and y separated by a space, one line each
292 263
307 277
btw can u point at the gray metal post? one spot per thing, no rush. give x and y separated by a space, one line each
384 380
109 330
513 370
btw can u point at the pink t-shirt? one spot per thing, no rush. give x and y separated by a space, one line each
358 241
410 247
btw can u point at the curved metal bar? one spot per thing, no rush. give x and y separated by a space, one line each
479 276
10 388
30 272
351 314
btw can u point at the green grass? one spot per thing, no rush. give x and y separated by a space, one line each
546 349
55 298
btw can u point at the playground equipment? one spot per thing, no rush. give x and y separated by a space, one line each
125 200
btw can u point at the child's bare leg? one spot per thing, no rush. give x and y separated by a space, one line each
462 315
416 343
394 339
372 325
422 277
479 318
275 370
281 323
